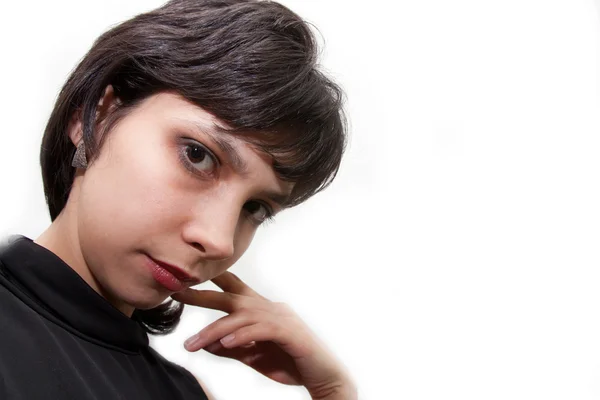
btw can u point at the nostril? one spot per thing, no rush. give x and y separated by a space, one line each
199 247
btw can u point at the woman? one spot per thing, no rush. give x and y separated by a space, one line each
178 134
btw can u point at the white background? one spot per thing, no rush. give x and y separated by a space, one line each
457 254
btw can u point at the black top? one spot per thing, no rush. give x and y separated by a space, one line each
60 339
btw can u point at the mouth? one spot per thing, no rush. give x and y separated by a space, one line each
170 276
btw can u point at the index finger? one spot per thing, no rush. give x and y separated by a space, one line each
230 282
206 299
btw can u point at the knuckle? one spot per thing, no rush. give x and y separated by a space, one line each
244 334
248 314
283 308
242 306
274 329
230 296
235 300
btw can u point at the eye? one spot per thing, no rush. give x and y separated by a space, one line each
196 157
259 212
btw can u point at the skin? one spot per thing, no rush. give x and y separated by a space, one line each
139 198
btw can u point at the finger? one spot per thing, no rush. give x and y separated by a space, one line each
290 342
207 299
223 327
214 347
230 282
244 354
223 301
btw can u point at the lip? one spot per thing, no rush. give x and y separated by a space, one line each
169 276
176 271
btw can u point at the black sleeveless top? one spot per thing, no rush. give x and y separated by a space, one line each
60 339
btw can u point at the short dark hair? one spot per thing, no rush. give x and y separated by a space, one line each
252 64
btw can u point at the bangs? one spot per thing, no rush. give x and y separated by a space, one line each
310 158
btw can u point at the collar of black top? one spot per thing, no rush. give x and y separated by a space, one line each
50 286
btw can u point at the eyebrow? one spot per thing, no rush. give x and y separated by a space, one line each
219 136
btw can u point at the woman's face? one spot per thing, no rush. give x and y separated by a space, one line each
169 185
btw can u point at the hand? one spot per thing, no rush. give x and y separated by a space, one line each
267 336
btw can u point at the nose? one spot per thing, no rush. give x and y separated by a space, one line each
212 230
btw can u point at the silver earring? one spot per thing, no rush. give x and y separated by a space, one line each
79 159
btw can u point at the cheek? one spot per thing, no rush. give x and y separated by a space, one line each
129 199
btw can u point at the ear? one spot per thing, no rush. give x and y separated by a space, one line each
106 104
75 128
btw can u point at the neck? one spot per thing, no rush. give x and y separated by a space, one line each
62 238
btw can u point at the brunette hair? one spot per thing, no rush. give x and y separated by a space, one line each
252 64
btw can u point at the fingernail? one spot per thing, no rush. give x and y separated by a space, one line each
190 342
229 338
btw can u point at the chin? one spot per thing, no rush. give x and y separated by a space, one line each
147 301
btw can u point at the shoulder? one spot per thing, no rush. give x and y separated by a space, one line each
171 366
209 395
176 368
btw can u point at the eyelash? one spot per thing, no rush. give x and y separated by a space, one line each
183 158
